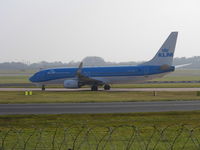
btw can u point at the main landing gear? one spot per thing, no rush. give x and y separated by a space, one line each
95 87
43 87
106 87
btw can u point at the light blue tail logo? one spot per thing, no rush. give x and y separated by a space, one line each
165 53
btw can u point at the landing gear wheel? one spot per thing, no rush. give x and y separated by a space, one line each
106 87
94 88
43 87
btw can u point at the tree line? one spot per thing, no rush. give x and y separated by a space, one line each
92 61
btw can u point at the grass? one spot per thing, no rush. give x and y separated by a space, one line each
89 96
22 71
161 119
14 79
178 78
145 130
185 72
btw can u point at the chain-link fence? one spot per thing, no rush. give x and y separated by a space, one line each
123 137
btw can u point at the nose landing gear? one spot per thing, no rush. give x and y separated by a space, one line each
43 87
106 87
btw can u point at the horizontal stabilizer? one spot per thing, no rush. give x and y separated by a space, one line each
183 65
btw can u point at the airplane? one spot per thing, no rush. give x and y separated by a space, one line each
158 66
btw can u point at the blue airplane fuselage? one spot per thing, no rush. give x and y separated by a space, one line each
105 73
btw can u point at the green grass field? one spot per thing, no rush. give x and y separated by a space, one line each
14 79
17 71
160 119
89 96
178 78
145 131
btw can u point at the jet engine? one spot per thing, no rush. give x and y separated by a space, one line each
71 84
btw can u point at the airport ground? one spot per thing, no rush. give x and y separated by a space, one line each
20 79
148 122
14 97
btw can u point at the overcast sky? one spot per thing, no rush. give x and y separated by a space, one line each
117 30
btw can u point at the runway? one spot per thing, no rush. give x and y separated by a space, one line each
95 108
21 85
101 89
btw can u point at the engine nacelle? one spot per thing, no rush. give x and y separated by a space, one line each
71 84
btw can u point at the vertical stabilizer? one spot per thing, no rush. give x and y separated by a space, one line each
165 54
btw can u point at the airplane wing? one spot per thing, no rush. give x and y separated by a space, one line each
85 79
183 65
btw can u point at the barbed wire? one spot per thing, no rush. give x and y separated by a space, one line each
83 137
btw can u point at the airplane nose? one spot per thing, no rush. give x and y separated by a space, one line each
33 78
37 77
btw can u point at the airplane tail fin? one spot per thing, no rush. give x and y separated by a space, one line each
165 54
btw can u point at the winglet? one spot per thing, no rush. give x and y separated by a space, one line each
78 72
